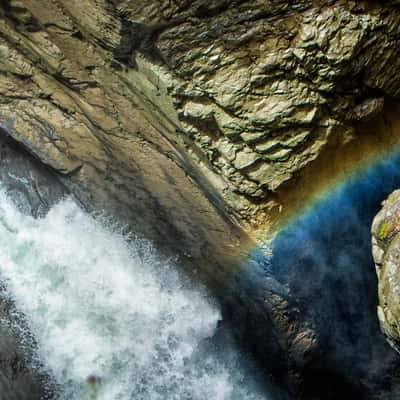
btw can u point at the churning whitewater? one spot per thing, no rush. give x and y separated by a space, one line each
101 306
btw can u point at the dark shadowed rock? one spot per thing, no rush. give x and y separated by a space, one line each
34 188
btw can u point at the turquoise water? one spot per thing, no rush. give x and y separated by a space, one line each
98 305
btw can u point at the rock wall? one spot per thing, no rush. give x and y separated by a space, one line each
262 88
386 251
198 124
240 96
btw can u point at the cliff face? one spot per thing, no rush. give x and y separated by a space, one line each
385 246
121 97
261 89
199 123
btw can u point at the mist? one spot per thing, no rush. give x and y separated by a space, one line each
323 258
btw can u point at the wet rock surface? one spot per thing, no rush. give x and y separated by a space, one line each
190 122
21 378
35 189
33 186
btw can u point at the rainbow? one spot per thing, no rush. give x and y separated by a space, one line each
366 163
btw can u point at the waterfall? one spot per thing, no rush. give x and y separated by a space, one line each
99 305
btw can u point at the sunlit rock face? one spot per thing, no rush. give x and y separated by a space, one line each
262 88
385 246
239 95
193 122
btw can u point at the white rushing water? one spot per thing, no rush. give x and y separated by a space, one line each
98 305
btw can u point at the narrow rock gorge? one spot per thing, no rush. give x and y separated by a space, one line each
252 141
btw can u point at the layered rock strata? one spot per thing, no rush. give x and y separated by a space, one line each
200 123
246 94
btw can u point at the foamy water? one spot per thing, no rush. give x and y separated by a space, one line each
98 305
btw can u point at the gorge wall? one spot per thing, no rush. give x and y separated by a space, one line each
204 126
385 246
236 98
